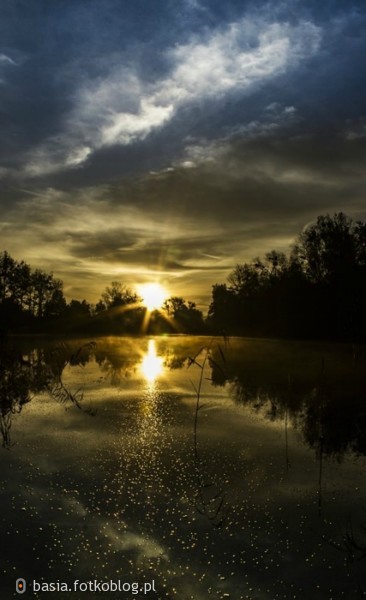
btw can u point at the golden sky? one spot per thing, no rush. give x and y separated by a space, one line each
170 144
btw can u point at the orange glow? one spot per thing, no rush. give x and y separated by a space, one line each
153 295
152 364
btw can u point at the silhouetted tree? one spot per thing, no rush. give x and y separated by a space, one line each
185 315
318 291
55 306
100 307
332 255
117 311
223 310
27 295
79 309
327 249
118 294
7 275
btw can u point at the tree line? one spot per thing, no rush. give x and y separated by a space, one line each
316 291
33 301
26 294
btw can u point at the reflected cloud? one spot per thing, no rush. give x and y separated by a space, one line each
125 494
129 541
265 377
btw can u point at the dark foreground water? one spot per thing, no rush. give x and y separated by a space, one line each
230 471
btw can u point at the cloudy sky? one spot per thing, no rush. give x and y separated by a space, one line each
168 140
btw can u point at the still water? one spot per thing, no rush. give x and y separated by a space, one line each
208 468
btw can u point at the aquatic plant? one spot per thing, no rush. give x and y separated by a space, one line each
210 497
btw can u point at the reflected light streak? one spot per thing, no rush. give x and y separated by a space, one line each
152 364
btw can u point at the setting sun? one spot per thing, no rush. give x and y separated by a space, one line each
153 295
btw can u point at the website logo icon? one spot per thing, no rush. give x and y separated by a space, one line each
20 585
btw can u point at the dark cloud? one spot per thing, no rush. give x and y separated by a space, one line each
175 138
280 177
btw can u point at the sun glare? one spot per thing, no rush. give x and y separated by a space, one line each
152 364
153 295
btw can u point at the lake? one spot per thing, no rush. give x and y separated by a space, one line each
183 467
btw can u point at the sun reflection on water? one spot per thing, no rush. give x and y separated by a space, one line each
152 364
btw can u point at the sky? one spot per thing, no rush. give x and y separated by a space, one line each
169 140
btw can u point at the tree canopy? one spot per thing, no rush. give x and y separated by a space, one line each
317 291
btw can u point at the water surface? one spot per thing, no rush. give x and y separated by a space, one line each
217 468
